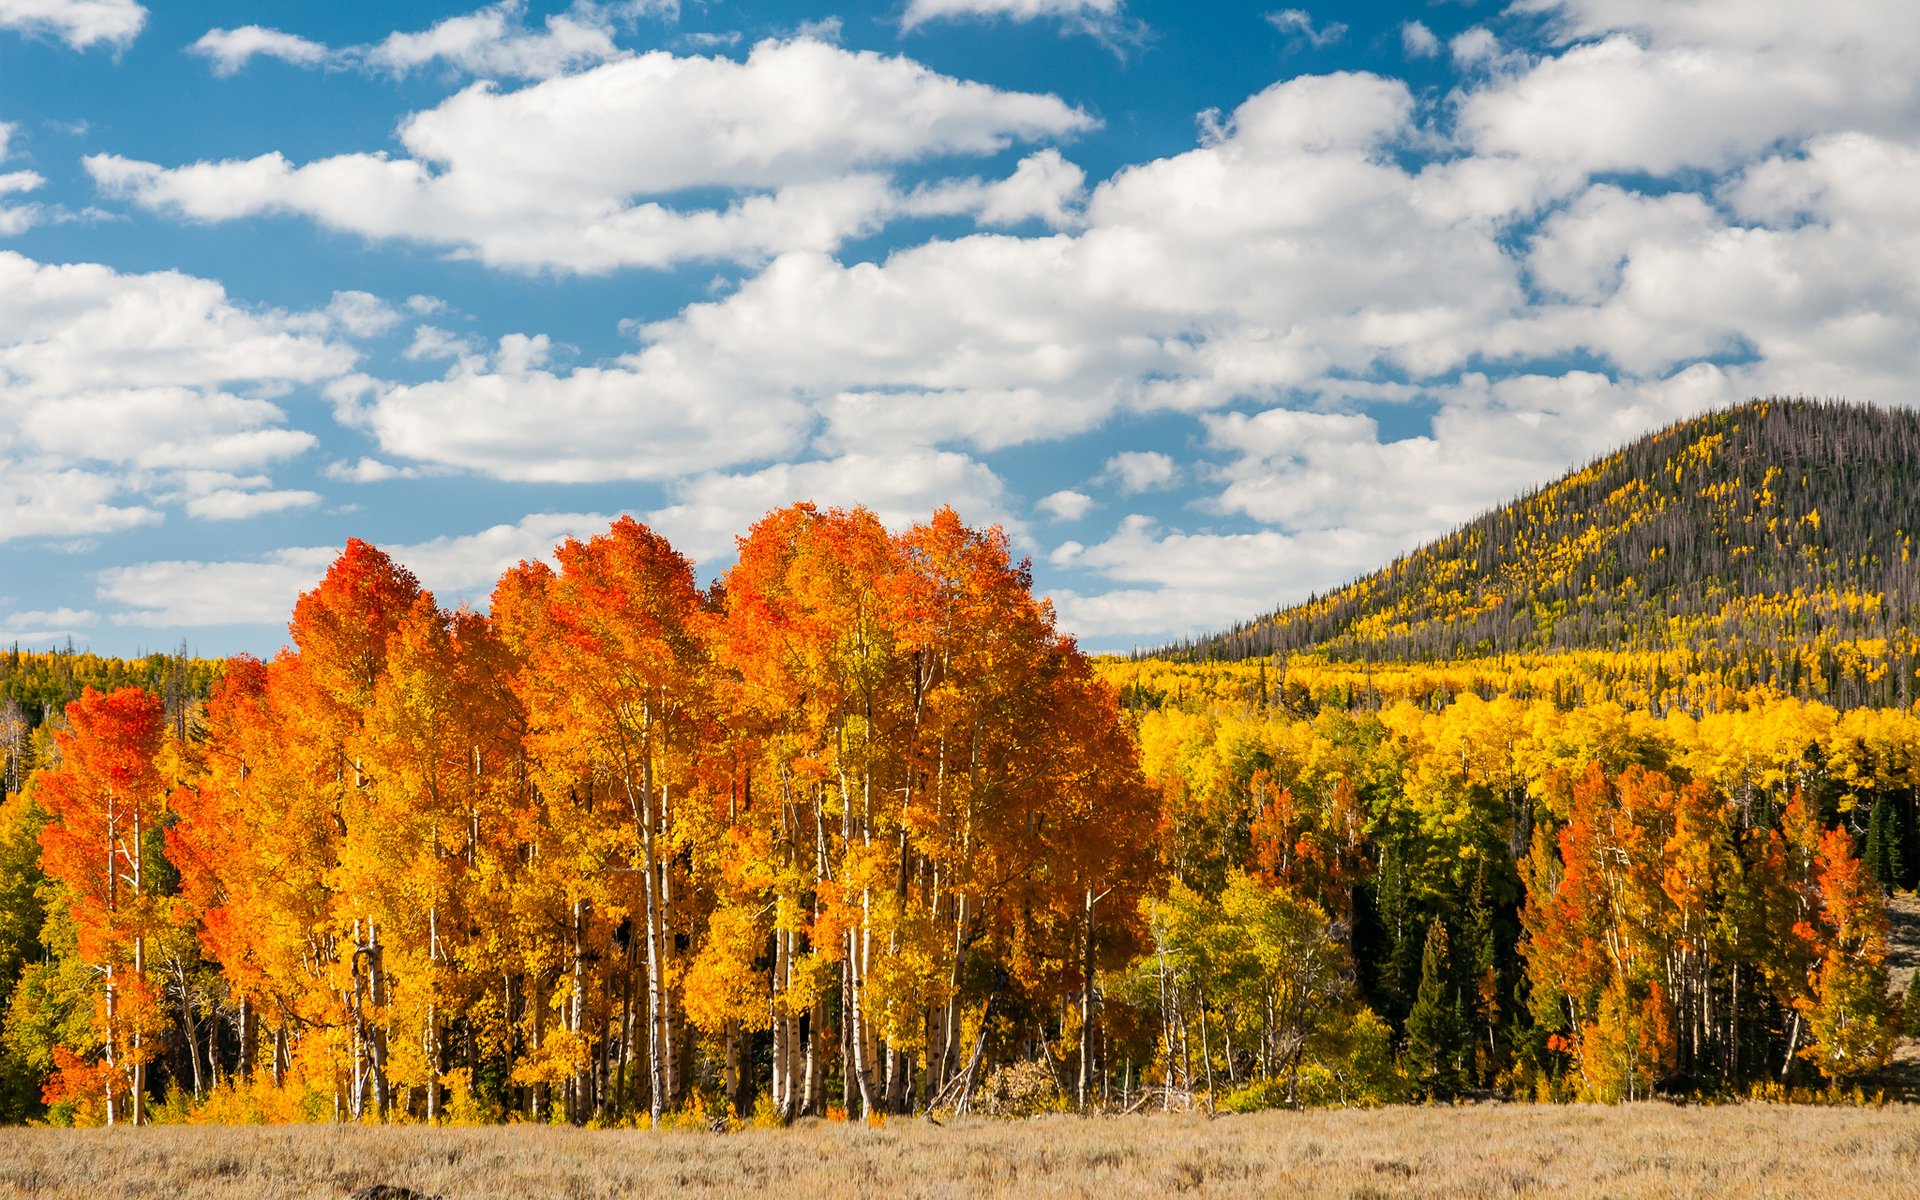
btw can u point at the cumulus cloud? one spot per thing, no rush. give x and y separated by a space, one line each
583 172
1044 187
1136 471
1297 23
371 470
1175 584
1081 15
16 219
78 23
1646 86
231 49
231 504
55 625
1419 41
261 591
494 42
120 391
1066 505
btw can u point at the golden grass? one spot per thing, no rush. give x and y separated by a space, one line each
1749 1150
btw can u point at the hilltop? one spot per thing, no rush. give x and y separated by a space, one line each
1766 544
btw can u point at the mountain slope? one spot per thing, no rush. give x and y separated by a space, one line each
1773 540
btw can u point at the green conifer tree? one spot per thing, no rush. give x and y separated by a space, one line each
1882 855
1434 1033
1909 833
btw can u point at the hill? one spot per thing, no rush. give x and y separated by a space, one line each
1768 544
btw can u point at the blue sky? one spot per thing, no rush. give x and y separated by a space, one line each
1211 305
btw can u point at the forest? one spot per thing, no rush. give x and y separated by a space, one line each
856 831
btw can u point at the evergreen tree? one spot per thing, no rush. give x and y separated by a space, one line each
1883 852
1434 1033
1479 985
1909 836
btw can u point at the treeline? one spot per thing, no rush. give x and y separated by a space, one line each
835 832
1594 902
36 686
856 831
1768 543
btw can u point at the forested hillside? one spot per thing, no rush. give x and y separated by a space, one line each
1768 544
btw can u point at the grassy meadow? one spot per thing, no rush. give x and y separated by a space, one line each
1752 1150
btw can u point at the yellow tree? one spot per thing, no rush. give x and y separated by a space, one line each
615 687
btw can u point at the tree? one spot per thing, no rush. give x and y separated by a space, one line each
617 696
1435 1037
1852 1018
1885 851
104 802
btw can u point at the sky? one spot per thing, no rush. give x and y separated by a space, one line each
1211 306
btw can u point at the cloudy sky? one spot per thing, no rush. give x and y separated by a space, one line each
1212 305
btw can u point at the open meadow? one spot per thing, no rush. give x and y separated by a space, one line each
1656 1150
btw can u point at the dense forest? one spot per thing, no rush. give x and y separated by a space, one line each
856 831
36 686
1762 545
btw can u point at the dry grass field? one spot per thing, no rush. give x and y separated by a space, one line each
1495 1150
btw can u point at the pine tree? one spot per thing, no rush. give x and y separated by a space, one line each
1882 854
1908 830
1479 984
1433 1026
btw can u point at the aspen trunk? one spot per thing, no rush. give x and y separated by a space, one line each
580 1094
245 1034
190 1032
813 1091
1086 1008
113 1031
377 1035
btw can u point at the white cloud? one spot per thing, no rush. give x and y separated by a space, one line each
361 314
230 504
1298 23
1662 87
495 43
56 625
262 591
432 342
1087 15
1186 583
118 391
645 417
1419 41
15 220
372 470
1045 186
44 499
581 172
1135 471
1066 505
78 23
231 49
